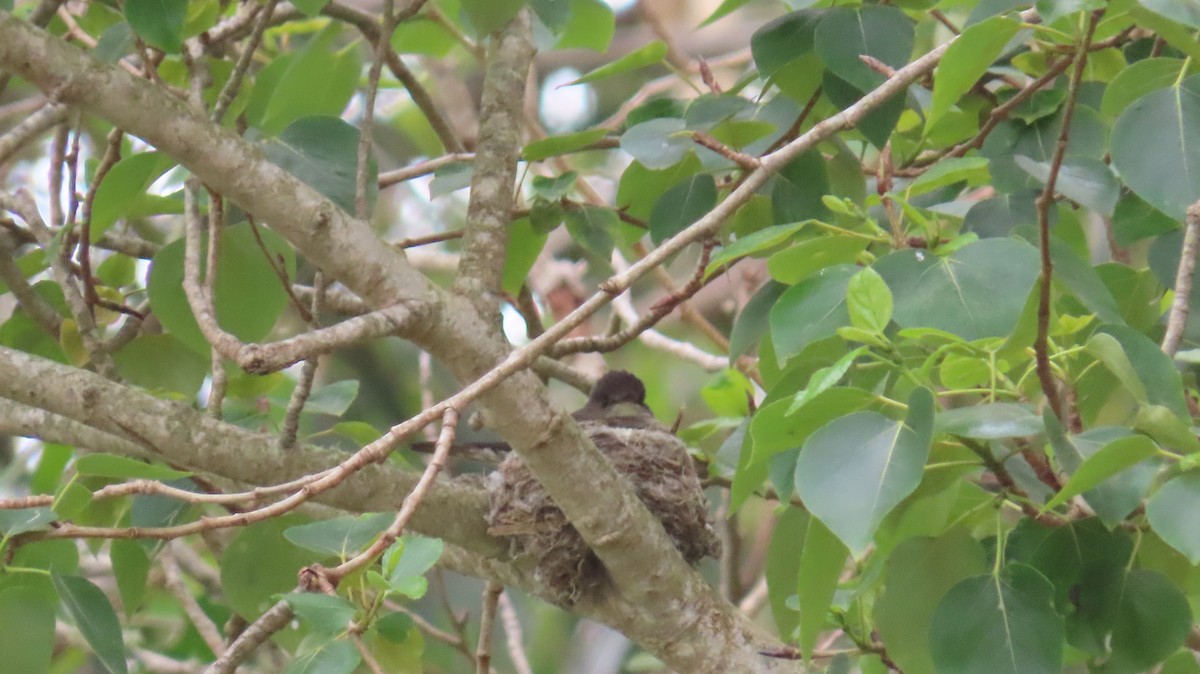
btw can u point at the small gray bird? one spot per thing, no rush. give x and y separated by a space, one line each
641 449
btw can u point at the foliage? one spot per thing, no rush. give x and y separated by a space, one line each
941 420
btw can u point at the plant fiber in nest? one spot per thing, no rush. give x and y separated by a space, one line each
663 476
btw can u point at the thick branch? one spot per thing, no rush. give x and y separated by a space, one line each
481 266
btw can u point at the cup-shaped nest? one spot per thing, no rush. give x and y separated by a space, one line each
662 474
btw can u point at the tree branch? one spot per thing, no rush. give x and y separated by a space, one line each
1177 318
481 265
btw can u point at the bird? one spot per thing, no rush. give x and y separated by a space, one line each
643 450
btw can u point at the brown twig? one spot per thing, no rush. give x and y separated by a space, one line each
743 160
483 651
1041 344
409 507
437 237
999 114
229 91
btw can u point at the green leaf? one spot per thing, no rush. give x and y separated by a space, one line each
797 262
882 32
782 41
341 536
854 470
1108 350
1134 220
1174 33
326 614
553 188
641 57
1137 80
681 206
1115 457
810 310
1118 495
407 561
556 145
1083 179
824 379
590 26
782 568
919 573
726 8
162 363
990 420
158 22
957 293
640 187
657 143
95 619
524 245
310 8
323 153
797 192
1078 276
728 393
419 35
394 626
318 81
1003 624
451 178
125 183
869 301
1186 12
967 59
752 323
1174 513
1159 377
592 228
333 399
1155 143
775 427
763 240
259 564
26 630
71 498
242 266
318 655
131 566
491 15
123 467
21 520
822 561
1152 619
949 171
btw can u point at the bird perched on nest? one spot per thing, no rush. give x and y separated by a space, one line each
644 451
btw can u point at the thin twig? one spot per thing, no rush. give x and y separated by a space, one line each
389 178
483 651
1041 344
229 91
513 635
408 507
275 619
173 579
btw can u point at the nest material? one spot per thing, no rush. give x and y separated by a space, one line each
663 476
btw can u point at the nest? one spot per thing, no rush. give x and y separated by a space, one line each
663 476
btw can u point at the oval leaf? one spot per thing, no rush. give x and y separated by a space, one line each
1174 512
1156 145
852 472
957 293
1002 624
95 618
